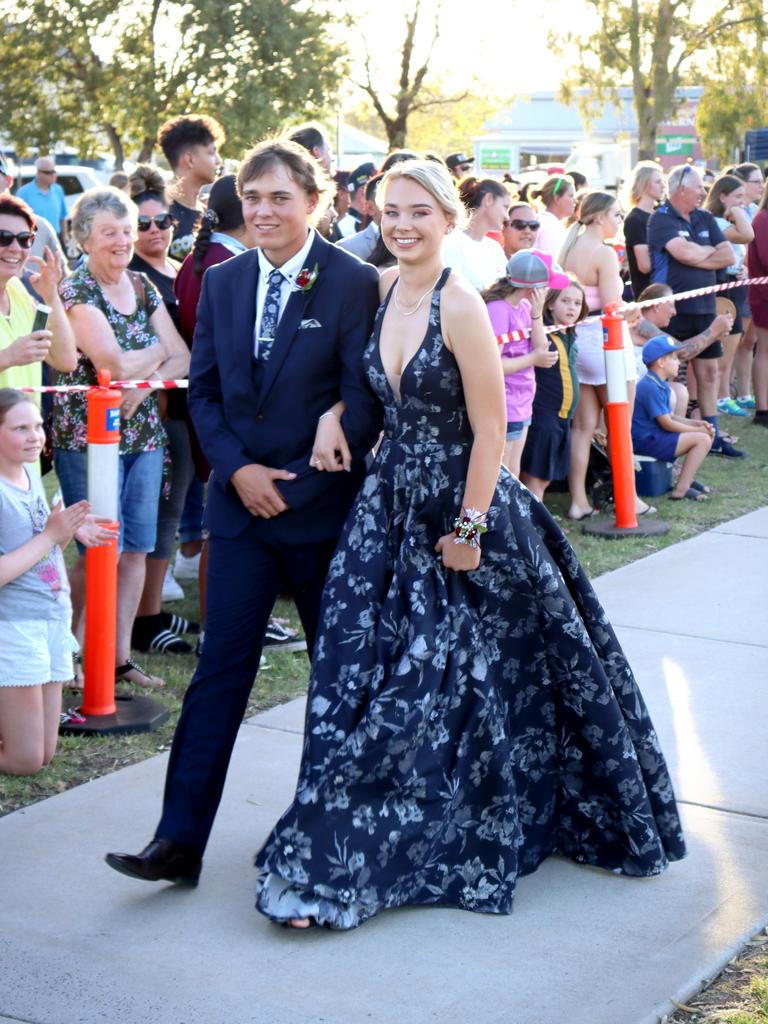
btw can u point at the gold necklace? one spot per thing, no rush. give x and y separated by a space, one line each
418 304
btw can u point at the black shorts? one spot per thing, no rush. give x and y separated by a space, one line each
547 452
684 326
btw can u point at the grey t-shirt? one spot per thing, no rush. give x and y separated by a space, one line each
43 591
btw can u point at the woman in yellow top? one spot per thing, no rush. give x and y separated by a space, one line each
23 350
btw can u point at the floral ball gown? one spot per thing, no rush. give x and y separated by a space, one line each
460 727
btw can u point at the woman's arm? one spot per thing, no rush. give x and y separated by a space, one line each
642 258
45 278
176 364
96 340
609 283
740 228
467 333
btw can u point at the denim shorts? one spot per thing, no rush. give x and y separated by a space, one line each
516 429
38 651
140 479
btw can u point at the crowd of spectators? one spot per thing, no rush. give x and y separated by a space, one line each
129 303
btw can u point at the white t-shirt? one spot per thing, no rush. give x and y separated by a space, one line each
551 235
481 262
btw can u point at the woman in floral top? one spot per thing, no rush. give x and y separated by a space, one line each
121 325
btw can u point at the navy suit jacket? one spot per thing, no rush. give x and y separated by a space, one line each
309 368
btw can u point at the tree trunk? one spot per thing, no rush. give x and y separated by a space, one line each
147 147
117 145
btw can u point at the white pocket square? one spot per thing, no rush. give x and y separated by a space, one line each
309 323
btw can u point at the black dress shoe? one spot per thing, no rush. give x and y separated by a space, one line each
161 860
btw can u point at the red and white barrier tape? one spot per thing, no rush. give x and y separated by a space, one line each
504 339
124 385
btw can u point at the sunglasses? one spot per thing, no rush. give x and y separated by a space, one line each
521 225
24 238
162 220
45 171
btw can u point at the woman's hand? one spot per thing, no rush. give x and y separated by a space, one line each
459 557
46 275
330 452
63 523
92 534
29 348
131 401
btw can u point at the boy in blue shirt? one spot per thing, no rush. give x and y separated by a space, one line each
657 432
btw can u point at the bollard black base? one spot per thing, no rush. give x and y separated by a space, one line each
132 714
607 528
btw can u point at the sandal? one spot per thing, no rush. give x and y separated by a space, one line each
701 488
130 672
691 495
586 515
649 510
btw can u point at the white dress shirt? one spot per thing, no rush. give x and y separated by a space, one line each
290 271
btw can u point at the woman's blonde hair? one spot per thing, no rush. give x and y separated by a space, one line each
434 179
641 175
592 205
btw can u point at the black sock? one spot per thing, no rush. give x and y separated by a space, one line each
147 626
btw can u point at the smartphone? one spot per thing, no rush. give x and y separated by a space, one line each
41 318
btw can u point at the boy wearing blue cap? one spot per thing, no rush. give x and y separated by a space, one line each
657 432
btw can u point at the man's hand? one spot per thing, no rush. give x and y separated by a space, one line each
255 485
721 325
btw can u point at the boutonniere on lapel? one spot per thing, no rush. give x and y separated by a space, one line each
306 278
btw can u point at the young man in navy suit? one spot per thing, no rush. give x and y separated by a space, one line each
280 336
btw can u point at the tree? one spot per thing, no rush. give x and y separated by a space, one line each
734 98
411 95
89 70
650 45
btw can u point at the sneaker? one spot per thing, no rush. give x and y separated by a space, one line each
730 407
721 447
171 589
746 401
186 568
278 638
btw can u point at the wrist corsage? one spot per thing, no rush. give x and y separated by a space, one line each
469 527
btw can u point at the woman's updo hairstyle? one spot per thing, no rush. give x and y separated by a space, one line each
472 191
224 213
592 206
146 182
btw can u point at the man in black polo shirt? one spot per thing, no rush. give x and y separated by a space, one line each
687 248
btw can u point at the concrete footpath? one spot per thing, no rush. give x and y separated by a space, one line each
80 944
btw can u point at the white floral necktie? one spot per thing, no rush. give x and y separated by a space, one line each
269 316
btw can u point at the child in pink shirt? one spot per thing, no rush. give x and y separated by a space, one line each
515 304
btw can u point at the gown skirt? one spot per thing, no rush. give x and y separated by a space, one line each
461 726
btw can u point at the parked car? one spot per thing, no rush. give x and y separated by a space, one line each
73 178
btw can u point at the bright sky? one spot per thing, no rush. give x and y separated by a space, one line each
499 42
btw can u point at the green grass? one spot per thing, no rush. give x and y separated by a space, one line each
740 486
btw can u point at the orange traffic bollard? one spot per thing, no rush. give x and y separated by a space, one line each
617 420
101 562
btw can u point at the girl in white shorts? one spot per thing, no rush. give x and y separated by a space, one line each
35 609
586 255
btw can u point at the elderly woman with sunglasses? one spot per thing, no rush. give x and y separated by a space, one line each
120 325
22 350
